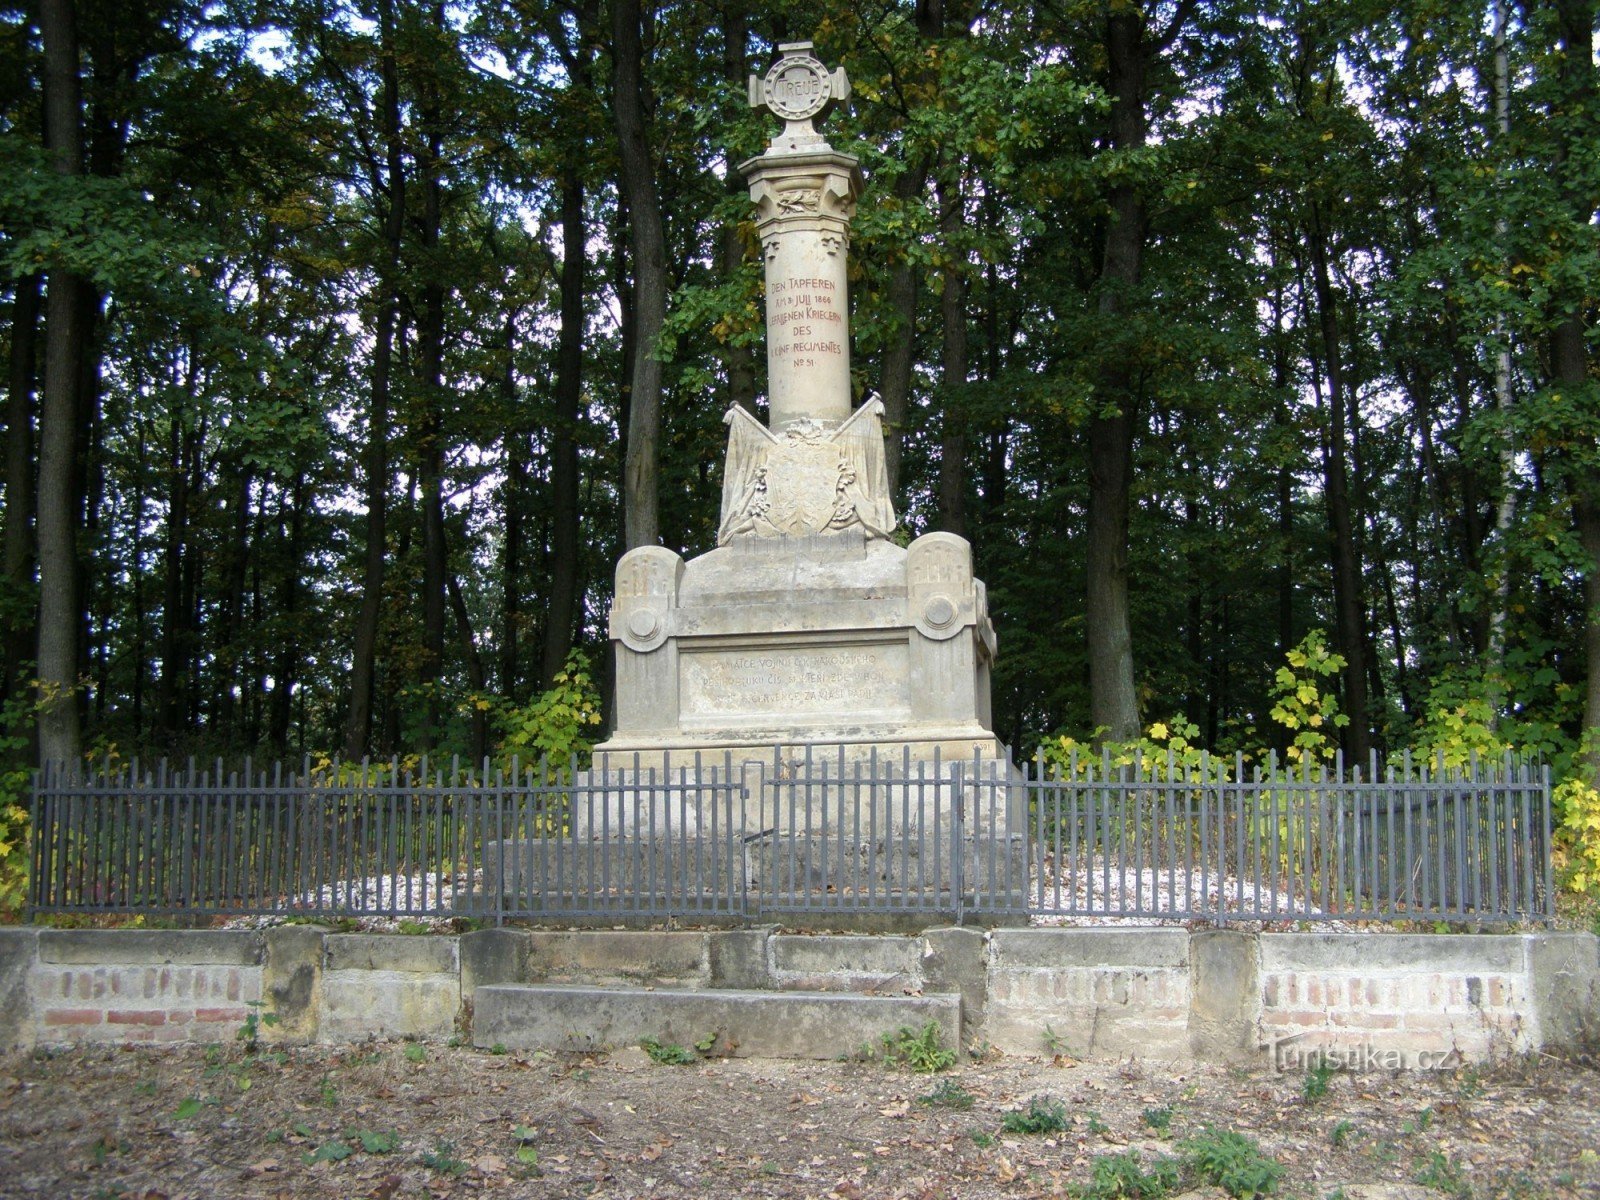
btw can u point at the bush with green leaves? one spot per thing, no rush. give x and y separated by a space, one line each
1043 1115
1124 1177
1232 1162
921 1050
558 725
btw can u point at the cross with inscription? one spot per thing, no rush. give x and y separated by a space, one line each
798 90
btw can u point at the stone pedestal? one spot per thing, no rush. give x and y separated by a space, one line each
833 639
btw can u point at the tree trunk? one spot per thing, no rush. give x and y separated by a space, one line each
901 354
514 493
641 501
20 449
1349 605
363 665
430 427
738 361
953 364
478 747
59 618
561 617
1113 702
1569 350
174 611
286 667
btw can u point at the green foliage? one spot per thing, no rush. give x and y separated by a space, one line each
949 1094
668 1054
329 1152
255 1020
15 782
557 726
1159 1119
1233 1162
527 1154
1124 1177
1315 1084
1445 1174
374 1142
1043 1115
442 1158
1576 802
1301 705
922 1050
1340 1133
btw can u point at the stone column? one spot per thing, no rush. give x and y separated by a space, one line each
805 194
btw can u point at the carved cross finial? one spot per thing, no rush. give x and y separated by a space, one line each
799 89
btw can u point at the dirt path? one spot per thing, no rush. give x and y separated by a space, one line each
393 1120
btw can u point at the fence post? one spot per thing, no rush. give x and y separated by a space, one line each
958 839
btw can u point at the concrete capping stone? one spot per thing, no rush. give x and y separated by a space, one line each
291 981
769 1024
1564 990
408 954
1145 948
19 951
1224 994
1403 953
739 958
856 955
493 956
177 947
625 955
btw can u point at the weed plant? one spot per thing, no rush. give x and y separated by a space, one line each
922 1050
1232 1162
1042 1115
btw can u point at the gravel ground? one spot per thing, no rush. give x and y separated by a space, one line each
391 1119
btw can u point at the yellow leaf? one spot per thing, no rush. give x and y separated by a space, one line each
1158 731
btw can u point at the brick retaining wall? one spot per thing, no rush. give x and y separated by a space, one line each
1384 1000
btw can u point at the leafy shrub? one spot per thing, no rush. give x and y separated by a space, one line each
556 725
1123 1177
1233 1163
922 1050
1299 703
667 1054
1578 803
1159 1119
949 1094
1042 1115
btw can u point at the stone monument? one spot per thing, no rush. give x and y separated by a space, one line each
807 624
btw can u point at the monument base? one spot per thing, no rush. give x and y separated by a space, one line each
847 644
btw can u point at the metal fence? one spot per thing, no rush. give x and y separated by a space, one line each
803 831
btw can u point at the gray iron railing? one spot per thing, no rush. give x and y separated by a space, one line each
827 832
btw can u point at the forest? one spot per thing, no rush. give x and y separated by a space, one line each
348 343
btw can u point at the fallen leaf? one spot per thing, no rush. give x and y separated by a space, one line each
895 1110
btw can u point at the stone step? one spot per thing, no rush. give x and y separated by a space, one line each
747 1024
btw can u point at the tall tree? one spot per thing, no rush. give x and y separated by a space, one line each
65 334
641 498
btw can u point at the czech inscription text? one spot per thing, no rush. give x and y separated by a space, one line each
824 680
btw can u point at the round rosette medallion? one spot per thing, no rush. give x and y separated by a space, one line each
797 87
